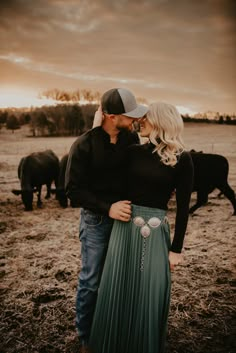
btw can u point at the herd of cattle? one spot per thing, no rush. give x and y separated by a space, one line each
44 168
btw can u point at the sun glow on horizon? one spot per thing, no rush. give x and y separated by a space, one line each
15 98
26 99
22 99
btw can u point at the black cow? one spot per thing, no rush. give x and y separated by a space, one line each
210 172
60 190
35 170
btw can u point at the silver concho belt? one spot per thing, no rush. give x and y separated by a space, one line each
153 222
145 231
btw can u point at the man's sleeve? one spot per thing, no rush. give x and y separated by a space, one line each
77 179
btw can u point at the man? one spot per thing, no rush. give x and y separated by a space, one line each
95 182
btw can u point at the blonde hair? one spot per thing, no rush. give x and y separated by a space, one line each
166 134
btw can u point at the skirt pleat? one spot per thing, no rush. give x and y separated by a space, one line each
134 294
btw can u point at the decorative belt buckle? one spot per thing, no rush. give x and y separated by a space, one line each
154 222
139 221
145 231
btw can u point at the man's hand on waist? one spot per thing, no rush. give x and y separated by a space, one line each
121 210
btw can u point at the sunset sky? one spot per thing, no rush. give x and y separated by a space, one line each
178 51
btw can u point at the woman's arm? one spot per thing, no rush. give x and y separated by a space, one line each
98 117
184 185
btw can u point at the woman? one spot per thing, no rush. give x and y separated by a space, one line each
134 295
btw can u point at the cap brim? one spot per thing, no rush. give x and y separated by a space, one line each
138 112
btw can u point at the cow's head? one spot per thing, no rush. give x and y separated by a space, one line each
27 198
61 197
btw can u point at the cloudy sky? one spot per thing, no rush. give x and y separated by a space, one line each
179 51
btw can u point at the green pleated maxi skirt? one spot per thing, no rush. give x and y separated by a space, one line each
134 294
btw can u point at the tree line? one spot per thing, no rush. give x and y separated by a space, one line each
219 119
71 118
59 120
68 118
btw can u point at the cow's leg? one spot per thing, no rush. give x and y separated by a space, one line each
56 182
229 193
202 198
48 191
39 202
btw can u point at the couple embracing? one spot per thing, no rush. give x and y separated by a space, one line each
123 188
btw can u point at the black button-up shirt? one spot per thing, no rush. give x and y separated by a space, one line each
95 173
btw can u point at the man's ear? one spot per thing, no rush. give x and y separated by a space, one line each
112 117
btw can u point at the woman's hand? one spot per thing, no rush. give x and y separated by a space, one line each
174 259
98 117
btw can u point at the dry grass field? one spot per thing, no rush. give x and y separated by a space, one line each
40 260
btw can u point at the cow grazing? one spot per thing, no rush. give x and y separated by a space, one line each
35 170
60 190
210 172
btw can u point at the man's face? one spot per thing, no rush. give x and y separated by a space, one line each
124 122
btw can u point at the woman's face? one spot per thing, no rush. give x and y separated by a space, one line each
145 127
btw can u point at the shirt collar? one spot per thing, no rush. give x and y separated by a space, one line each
107 137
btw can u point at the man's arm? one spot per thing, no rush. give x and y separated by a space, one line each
77 178
77 186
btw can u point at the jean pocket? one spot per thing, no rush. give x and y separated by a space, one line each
92 219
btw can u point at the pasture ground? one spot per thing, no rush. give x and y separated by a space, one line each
40 260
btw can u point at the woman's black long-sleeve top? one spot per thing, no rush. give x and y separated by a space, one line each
151 183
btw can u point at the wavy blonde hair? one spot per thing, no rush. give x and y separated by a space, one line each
167 129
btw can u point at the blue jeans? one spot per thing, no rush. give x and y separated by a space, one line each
94 235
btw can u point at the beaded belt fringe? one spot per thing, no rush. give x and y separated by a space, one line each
153 222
